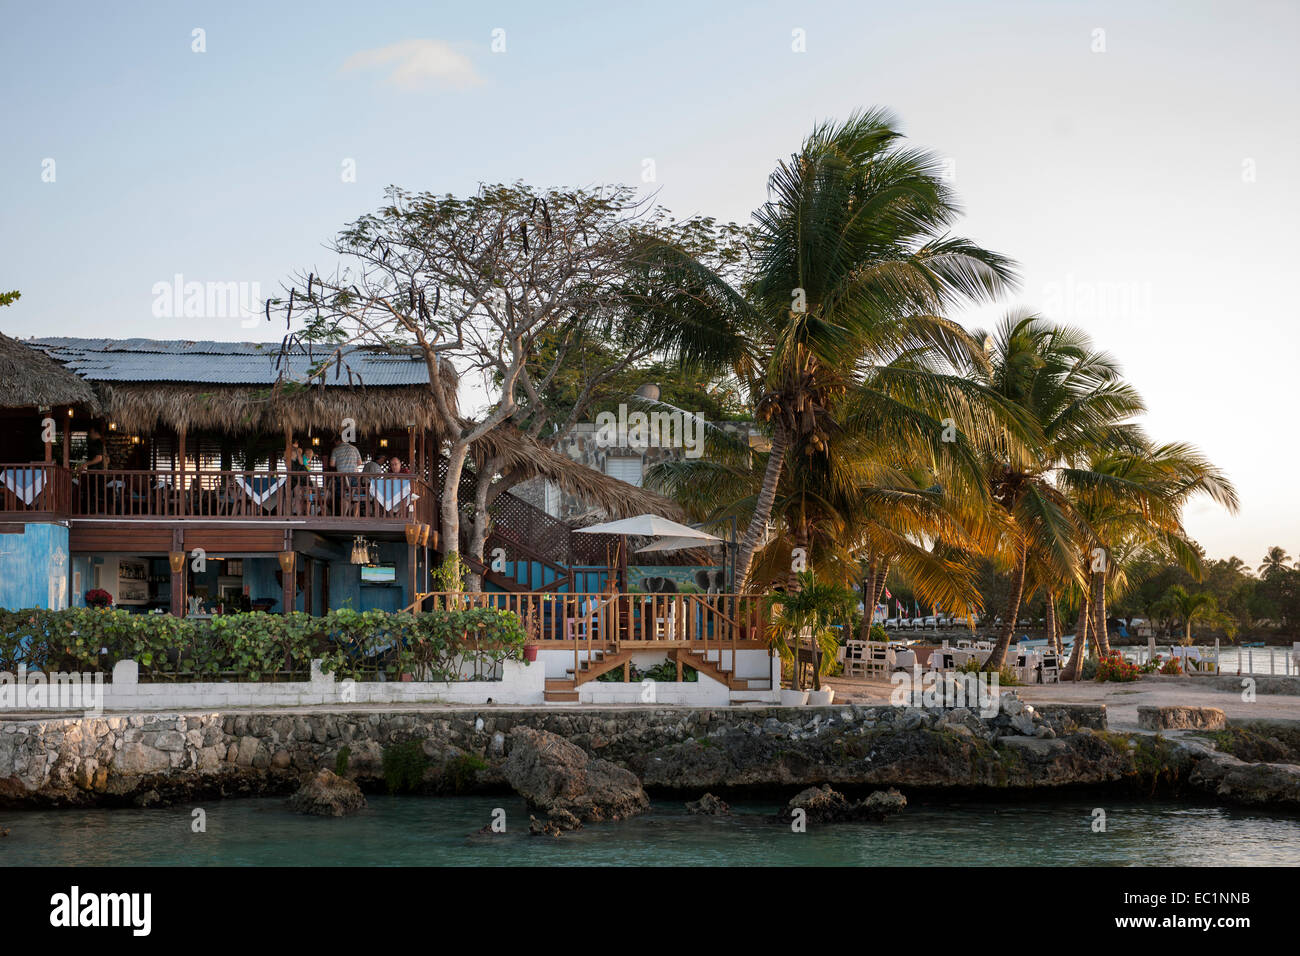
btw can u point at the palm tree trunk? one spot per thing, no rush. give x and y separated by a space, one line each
792 585
1053 638
1099 613
879 590
868 600
999 655
763 507
1074 669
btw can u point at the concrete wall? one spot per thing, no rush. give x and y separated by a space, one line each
520 683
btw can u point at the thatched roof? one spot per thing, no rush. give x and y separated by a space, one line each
31 379
251 386
529 459
239 408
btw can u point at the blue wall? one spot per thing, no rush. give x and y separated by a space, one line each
34 567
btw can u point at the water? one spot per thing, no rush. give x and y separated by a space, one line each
430 831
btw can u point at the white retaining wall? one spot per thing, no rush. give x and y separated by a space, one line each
520 683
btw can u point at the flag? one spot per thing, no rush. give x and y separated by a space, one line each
887 594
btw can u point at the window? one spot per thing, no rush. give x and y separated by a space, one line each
624 469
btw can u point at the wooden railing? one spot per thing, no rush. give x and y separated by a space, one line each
35 489
217 494
624 621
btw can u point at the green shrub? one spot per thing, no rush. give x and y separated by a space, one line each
404 766
462 770
341 761
436 645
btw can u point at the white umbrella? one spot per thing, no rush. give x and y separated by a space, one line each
674 544
649 526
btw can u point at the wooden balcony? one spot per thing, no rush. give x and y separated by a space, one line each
39 491
45 491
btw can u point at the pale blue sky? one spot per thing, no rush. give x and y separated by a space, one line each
1116 177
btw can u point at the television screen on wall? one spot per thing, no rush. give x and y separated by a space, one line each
378 573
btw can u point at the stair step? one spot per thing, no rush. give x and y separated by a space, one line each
558 683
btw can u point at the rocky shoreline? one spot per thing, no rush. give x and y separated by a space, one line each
155 759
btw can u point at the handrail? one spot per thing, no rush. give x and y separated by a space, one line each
250 494
34 488
617 621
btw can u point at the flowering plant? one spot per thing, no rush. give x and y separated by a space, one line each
1114 667
99 598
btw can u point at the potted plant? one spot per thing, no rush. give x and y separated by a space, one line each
809 615
530 652
99 598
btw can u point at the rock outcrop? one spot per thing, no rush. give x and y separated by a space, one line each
708 805
1181 718
159 759
1253 784
557 823
825 805
325 794
552 774
890 747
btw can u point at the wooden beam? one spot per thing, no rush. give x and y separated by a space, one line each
309 590
180 465
178 577
411 574
288 582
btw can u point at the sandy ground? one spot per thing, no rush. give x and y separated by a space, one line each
1121 700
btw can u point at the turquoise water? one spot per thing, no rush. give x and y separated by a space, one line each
415 831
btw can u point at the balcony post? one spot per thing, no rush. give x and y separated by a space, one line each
180 480
178 577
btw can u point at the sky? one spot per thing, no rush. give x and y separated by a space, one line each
1138 159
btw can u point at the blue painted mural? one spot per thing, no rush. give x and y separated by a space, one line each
34 567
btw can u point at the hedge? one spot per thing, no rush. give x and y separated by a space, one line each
436 645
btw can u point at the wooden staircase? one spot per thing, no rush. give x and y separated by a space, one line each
718 671
565 689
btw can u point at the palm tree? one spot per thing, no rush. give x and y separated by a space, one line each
842 313
1274 561
1077 405
1132 502
815 607
1178 604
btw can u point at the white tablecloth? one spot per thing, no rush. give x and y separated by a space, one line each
26 483
268 488
390 492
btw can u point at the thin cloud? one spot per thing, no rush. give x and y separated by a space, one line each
418 65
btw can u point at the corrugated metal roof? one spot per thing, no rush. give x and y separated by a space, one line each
224 363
